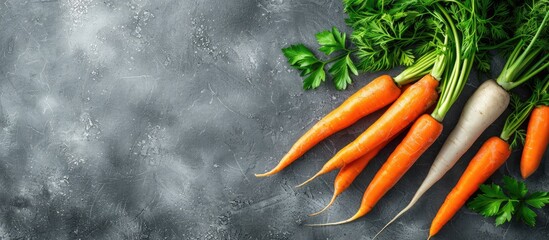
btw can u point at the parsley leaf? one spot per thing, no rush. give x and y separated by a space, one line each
314 79
538 199
513 196
516 189
527 215
488 204
505 213
312 68
331 41
301 58
340 70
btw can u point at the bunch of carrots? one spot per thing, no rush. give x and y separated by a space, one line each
452 38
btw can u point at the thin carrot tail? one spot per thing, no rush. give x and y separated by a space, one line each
416 197
394 219
322 171
419 193
280 166
355 217
327 206
267 174
310 179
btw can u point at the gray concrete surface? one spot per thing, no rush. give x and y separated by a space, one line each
147 119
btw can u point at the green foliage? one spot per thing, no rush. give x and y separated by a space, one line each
303 59
515 201
331 41
530 50
386 34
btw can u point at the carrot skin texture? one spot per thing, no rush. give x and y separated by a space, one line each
410 105
349 172
537 138
372 97
493 153
421 136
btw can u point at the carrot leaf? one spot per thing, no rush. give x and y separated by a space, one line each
511 200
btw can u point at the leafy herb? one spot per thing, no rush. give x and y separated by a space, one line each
512 200
303 59
331 41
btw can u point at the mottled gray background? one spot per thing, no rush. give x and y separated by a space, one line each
147 119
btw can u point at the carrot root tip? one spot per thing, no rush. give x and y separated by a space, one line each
259 175
329 224
266 174
308 180
327 206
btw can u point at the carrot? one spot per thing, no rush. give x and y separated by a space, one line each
348 173
488 159
372 97
422 134
412 103
537 138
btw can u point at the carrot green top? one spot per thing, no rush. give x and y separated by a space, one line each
529 56
461 24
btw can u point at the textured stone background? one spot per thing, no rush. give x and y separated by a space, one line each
147 119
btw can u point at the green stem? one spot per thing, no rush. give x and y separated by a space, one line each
515 120
440 63
485 48
337 58
417 70
514 67
531 72
449 87
546 86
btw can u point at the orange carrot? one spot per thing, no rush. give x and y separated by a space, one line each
410 105
372 97
421 136
348 173
537 138
488 159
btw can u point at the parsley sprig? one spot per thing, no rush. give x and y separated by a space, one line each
511 200
312 68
